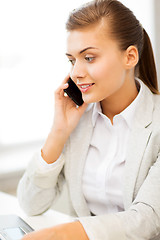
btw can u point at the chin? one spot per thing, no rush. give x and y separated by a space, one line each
88 100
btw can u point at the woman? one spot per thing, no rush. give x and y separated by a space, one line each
106 151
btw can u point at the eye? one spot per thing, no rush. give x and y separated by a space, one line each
89 59
72 61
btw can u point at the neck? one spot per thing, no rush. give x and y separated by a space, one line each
120 100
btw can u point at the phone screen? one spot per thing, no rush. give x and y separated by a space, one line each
14 233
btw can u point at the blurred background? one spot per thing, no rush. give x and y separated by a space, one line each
32 65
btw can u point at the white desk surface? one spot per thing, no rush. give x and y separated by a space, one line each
9 205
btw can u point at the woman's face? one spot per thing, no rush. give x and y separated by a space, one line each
97 63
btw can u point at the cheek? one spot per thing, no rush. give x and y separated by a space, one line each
106 67
108 77
106 72
98 71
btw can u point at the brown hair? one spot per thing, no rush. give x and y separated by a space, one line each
125 28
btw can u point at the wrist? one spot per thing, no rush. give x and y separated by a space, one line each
59 134
71 231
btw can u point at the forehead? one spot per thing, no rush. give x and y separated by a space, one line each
95 36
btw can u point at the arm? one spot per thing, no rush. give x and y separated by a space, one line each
38 189
66 231
66 118
140 221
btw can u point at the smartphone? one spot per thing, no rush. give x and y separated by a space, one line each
12 227
74 93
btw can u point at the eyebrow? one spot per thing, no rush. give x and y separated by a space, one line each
85 49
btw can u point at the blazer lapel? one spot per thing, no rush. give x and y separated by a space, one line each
80 140
137 146
140 134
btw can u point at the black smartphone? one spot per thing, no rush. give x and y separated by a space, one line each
74 93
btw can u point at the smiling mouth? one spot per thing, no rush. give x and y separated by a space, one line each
85 87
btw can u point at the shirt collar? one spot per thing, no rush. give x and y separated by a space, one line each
127 113
96 111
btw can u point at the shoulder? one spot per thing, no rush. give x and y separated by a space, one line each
150 102
156 111
156 99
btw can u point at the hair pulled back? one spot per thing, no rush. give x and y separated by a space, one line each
125 28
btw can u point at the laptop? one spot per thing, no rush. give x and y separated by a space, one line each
12 227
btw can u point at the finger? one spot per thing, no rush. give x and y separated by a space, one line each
65 94
64 85
66 79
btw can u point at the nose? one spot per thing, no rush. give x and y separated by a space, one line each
77 71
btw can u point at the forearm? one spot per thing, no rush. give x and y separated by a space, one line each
68 231
138 222
71 231
53 146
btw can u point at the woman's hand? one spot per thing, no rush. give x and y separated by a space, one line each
67 115
66 118
68 231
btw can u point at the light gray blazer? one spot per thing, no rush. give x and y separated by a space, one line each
141 218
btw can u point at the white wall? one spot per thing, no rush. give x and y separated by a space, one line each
33 63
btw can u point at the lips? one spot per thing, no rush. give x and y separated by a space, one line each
85 87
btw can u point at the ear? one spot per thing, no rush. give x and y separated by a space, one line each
131 57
